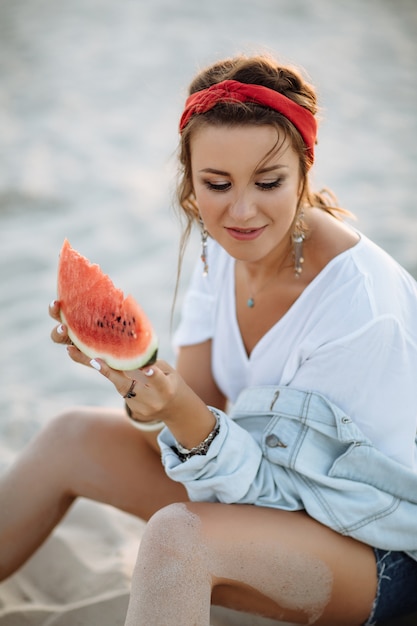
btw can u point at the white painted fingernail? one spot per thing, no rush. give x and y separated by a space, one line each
149 372
52 305
60 330
95 364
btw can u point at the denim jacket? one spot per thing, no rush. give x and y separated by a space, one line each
291 449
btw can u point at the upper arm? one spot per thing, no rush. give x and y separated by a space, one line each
194 365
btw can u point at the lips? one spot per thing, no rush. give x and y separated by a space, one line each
245 234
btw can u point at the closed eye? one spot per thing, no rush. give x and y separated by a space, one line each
217 186
270 185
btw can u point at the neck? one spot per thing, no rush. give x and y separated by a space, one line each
257 277
257 272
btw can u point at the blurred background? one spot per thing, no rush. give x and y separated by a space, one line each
90 96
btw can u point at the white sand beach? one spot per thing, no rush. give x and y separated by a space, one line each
90 96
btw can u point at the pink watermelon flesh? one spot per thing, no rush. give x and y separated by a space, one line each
101 322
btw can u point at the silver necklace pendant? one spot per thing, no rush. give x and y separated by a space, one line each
250 302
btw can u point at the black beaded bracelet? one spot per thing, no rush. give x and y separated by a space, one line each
202 448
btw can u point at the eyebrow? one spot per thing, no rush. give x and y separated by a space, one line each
264 170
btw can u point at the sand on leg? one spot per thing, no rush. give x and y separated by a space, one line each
282 565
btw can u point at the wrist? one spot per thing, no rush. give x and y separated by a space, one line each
191 422
201 448
152 426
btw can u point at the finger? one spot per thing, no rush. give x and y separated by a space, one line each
151 375
60 335
54 309
131 393
78 356
121 380
159 379
160 366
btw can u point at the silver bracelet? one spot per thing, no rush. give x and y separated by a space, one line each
146 427
202 448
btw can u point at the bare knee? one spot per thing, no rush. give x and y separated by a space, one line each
173 529
172 541
65 444
70 428
171 583
172 551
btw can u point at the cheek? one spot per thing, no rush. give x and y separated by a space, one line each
290 197
209 207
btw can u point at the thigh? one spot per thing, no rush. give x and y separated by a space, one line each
285 565
99 455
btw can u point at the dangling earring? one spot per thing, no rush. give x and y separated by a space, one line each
204 236
298 237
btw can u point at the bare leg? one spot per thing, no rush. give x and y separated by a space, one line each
94 453
278 564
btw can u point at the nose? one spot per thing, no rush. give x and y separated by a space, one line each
242 207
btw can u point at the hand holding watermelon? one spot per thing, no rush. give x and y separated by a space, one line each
112 334
144 405
160 394
97 317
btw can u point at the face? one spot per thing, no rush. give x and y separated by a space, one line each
247 203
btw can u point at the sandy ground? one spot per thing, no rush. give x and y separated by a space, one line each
90 95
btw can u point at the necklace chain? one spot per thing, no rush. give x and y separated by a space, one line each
251 300
297 240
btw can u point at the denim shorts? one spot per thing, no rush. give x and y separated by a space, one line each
397 586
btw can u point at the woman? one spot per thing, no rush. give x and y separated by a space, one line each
308 330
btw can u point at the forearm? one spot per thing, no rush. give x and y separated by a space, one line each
194 366
188 418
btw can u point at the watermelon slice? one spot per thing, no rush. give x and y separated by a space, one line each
101 322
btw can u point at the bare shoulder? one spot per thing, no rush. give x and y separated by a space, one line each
328 237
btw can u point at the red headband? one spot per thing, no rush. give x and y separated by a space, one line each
234 91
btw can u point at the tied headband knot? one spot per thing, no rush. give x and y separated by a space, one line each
202 101
235 91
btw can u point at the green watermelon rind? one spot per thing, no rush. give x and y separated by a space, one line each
146 358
